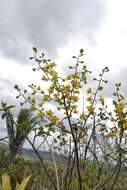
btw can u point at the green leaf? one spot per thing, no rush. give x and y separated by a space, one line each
23 184
17 186
3 115
35 49
74 185
6 184
100 88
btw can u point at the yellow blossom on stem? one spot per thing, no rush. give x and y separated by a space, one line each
125 125
40 114
89 90
45 98
83 116
91 108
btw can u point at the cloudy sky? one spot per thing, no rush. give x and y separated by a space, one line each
60 29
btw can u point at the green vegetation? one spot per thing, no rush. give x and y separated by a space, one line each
70 115
6 183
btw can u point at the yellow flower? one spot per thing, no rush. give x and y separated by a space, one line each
55 119
83 116
32 108
45 69
75 98
33 100
45 98
76 84
44 78
54 74
102 100
91 108
40 104
109 134
40 114
125 125
75 111
90 99
83 141
120 108
89 90
70 76
49 113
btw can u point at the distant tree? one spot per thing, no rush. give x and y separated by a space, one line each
18 129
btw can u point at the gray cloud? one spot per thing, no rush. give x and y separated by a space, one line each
110 88
45 24
122 77
8 95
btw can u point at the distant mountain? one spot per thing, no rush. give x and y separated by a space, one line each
45 155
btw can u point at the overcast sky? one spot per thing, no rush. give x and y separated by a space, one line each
60 29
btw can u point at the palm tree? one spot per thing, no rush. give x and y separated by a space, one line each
17 130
